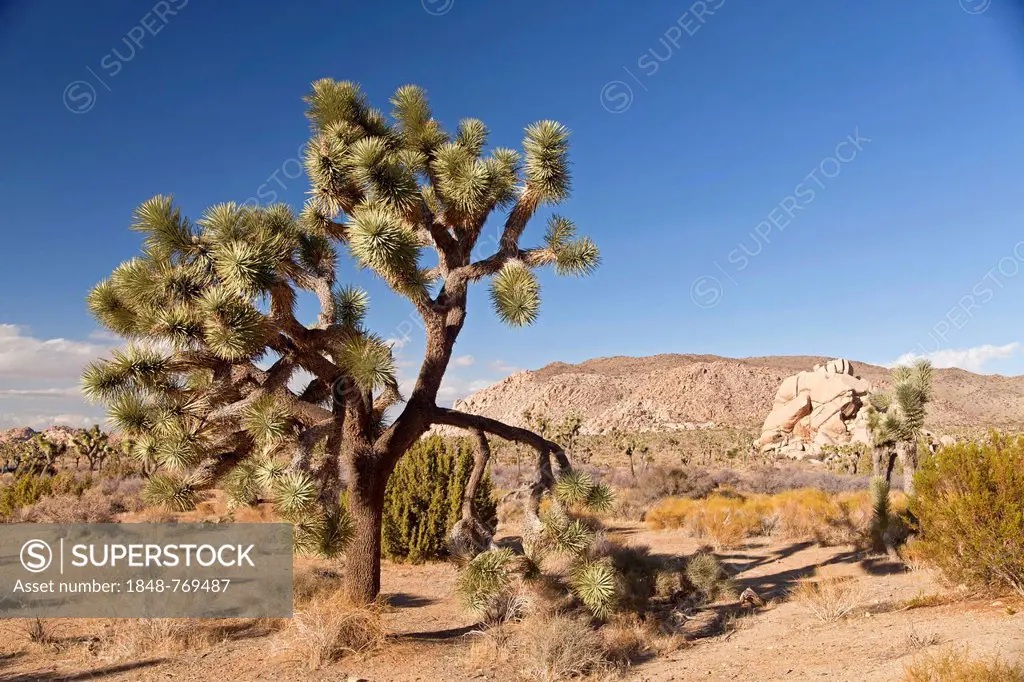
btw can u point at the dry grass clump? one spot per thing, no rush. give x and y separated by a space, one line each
42 631
332 628
829 598
313 582
559 647
132 638
957 666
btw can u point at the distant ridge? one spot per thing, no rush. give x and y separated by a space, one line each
674 392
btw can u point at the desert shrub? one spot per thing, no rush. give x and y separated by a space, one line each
969 502
727 518
627 638
828 598
559 647
329 629
708 576
638 573
311 584
958 666
23 491
129 639
424 499
91 507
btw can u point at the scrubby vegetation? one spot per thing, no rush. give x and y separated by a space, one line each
727 518
969 503
424 499
959 666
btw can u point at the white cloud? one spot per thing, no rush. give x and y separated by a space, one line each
463 360
26 357
971 359
504 367
42 421
70 392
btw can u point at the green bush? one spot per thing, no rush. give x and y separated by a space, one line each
969 503
424 498
24 490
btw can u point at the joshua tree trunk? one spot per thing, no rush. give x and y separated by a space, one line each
907 451
366 509
480 459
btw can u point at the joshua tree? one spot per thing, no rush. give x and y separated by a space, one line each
220 293
631 445
94 445
897 418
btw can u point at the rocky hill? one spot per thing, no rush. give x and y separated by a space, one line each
678 392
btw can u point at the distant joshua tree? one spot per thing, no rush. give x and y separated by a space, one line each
94 445
208 380
896 420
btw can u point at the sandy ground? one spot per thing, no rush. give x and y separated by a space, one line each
432 636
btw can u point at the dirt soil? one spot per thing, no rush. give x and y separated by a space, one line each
432 635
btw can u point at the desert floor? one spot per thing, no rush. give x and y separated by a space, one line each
434 638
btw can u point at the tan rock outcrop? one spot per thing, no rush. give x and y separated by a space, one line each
816 408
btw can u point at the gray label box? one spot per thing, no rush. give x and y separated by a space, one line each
146 570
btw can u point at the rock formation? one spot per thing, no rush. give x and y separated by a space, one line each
817 408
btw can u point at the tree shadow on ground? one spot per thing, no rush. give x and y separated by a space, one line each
440 635
95 673
404 600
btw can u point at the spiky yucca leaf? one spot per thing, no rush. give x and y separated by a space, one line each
166 231
379 241
335 101
177 493
294 494
268 470
595 583
471 135
515 294
579 258
350 306
879 512
337 533
110 310
103 381
179 325
242 486
145 450
600 499
179 450
572 538
485 578
368 360
560 233
131 414
462 179
880 401
141 366
233 329
547 165
247 266
573 487
267 420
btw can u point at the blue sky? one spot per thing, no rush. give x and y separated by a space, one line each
827 178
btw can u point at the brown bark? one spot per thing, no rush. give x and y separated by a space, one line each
366 508
480 459
907 452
